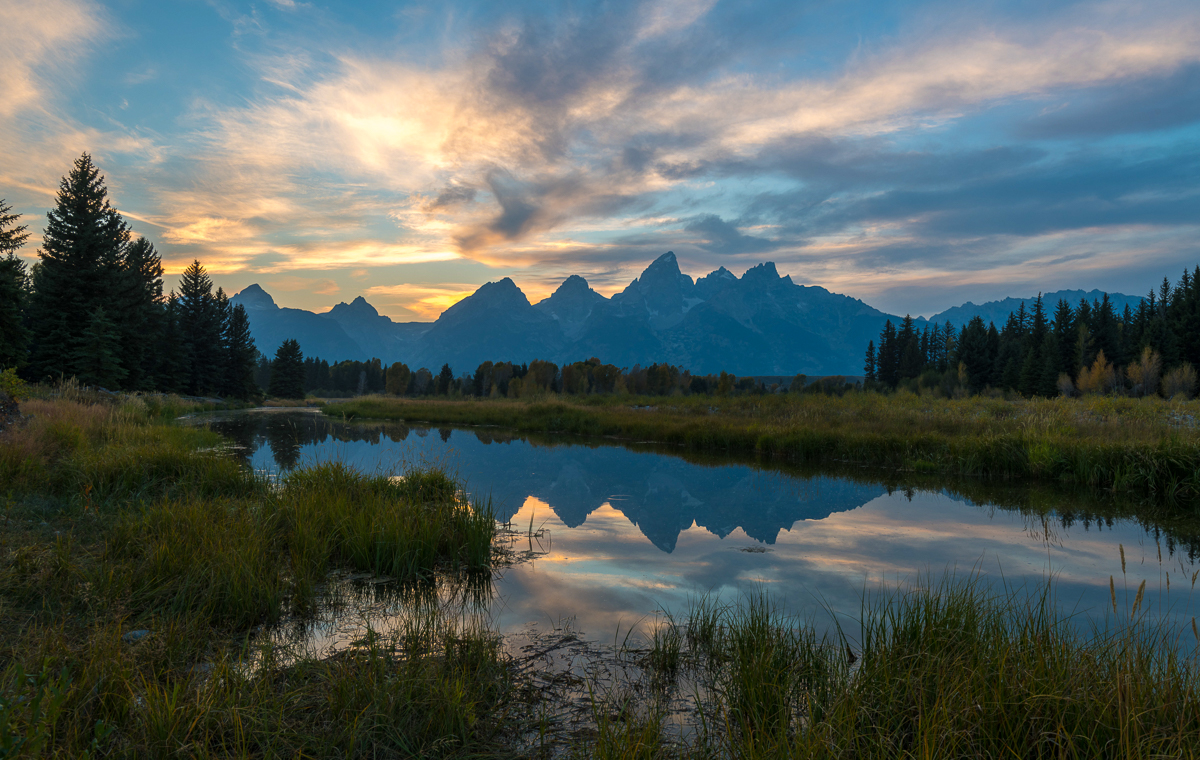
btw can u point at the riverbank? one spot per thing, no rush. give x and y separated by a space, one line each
1148 446
141 564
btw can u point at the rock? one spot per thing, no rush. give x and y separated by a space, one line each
134 637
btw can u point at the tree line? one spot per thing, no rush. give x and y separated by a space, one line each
1083 349
92 306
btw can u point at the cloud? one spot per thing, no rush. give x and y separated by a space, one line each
599 138
292 283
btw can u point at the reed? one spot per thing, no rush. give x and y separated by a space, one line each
1145 445
117 522
952 668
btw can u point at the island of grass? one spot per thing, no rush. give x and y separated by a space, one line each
1149 445
141 565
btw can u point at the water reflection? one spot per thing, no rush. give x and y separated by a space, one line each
629 531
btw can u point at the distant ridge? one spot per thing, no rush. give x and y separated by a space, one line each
757 324
998 311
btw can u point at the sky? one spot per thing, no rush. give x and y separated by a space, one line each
915 155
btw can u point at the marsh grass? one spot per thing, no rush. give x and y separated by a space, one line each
116 521
1135 445
952 668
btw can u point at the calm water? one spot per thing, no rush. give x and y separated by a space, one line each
627 533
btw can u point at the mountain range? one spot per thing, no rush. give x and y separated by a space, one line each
758 324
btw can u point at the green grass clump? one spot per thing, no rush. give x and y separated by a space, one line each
950 669
117 521
1145 445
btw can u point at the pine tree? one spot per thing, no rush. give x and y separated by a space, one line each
96 352
1034 364
139 300
1065 336
171 367
80 266
14 338
240 356
909 340
973 354
287 371
888 359
444 378
200 331
869 363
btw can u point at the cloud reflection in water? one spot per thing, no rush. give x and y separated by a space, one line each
630 533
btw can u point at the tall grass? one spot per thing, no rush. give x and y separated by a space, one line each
1134 445
950 669
117 521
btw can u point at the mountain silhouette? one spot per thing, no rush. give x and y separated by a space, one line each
758 324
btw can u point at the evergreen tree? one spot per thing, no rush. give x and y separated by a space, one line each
1033 367
1011 355
223 312
13 285
444 378
200 331
949 346
1065 335
909 340
974 355
95 354
869 363
287 371
240 356
1104 331
79 268
262 372
170 368
888 359
140 310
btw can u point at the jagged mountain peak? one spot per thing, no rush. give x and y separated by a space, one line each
359 307
571 304
765 272
574 283
254 297
503 293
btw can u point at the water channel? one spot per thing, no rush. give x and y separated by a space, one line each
623 533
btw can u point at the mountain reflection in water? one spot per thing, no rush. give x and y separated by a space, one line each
661 495
815 540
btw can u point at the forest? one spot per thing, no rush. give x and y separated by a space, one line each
93 306
1079 350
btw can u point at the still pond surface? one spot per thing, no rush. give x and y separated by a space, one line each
626 532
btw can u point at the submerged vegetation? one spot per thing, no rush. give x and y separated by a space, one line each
1149 446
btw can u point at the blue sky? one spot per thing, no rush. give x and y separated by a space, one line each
915 155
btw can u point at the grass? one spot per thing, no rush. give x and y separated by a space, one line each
117 521
1133 445
949 669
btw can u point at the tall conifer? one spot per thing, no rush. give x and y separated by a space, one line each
139 304
13 286
240 356
200 331
287 371
79 269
